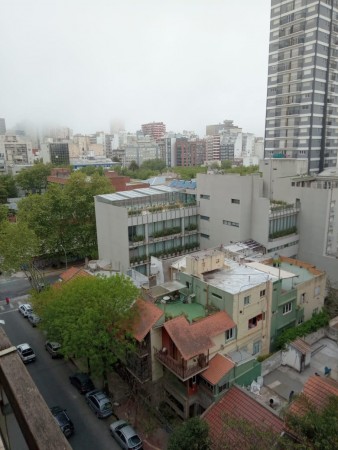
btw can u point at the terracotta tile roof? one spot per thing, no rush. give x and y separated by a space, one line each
301 346
239 404
74 272
219 366
317 390
149 314
193 339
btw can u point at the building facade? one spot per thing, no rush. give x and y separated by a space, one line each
154 129
302 92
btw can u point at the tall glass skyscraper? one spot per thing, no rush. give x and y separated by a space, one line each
302 93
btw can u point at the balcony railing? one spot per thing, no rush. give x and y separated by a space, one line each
178 368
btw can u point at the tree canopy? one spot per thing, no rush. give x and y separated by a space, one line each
18 246
34 179
7 188
3 213
191 435
63 218
89 316
315 428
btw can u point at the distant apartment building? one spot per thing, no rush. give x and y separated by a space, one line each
166 149
212 151
56 153
135 225
189 152
15 152
143 149
2 126
248 144
154 129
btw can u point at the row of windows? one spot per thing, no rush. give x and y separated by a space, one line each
230 223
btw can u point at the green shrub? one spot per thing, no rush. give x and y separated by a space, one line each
317 321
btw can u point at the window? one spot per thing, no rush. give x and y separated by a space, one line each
232 224
300 320
256 348
223 386
205 236
236 201
252 323
262 293
287 308
302 297
247 300
204 218
229 334
205 197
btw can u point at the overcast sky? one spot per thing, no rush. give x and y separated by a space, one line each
82 63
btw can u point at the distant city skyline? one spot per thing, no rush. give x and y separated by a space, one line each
82 64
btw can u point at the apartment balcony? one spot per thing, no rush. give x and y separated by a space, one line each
181 368
159 213
283 209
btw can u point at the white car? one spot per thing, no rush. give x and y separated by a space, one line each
25 309
26 353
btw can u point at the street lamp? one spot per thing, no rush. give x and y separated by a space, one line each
65 255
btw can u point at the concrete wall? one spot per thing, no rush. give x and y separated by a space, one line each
223 191
112 234
272 363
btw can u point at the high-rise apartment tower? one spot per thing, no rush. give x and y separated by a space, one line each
302 93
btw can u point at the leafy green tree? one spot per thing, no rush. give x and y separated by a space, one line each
34 179
18 246
90 317
3 213
191 435
331 300
7 188
64 217
187 173
90 170
315 428
226 164
133 166
157 165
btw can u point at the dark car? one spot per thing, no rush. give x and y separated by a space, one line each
53 348
63 420
82 382
99 403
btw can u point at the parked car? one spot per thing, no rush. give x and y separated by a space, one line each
34 319
53 348
99 403
26 353
25 309
125 435
63 420
82 382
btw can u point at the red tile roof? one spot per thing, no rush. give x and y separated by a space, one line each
193 339
219 366
74 272
301 346
238 404
317 390
149 314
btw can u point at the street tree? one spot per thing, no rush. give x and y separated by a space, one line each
34 179
64 217
90 316
191 435
7 188
18 246
3 213
133 166
157 165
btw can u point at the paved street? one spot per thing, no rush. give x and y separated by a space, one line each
18 285
51 378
